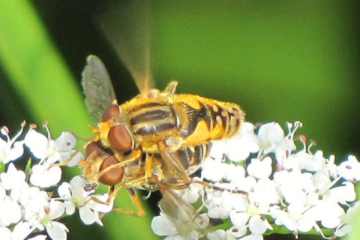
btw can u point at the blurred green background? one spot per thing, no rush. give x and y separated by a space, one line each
281 60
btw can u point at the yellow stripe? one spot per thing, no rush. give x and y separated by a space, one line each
149 109
155 123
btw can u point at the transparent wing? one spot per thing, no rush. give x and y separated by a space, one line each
174 171
98 89
127 27
180 213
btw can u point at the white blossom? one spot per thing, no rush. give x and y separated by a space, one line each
350 169
255 181
280 183
260 168
60 150
10 148
90 206
45 175
27 206
270 136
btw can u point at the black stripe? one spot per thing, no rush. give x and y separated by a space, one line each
225 118
152 129
205 114
145 105
149 116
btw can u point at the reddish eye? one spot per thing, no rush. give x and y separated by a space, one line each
112 176
120 138
91 148
111 112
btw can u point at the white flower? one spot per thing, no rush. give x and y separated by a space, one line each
90 212
10 148
296 217
264 193
250 217
55 229
260 168
213 170
342 194
329 213
74 194
35 202
241 144
10 212
294 186
22 230
52 151
45 175
5 233
38 144
13 178
163 226
270 136
350 169
303 160
89 205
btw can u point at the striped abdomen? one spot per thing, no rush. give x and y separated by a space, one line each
203 119
226 118
152 118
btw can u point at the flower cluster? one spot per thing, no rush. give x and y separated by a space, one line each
263 180
33 199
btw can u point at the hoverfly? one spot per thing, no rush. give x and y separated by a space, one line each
154 141
109 163
155 123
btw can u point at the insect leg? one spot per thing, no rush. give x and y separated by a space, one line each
149 162
139 212
113 190
137 202
134 156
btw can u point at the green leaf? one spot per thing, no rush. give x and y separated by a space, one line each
41 78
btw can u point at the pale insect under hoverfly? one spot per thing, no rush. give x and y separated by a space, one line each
156 140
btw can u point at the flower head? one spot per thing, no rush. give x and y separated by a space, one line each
269 182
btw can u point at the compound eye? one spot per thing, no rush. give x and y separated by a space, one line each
120 138
111 176
93 148
112 112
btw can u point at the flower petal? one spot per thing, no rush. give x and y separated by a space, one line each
65 142
45 176
56 209
260 168
56 230
37 143
5 233
64 190
21 230
87 216
162 226
257 226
